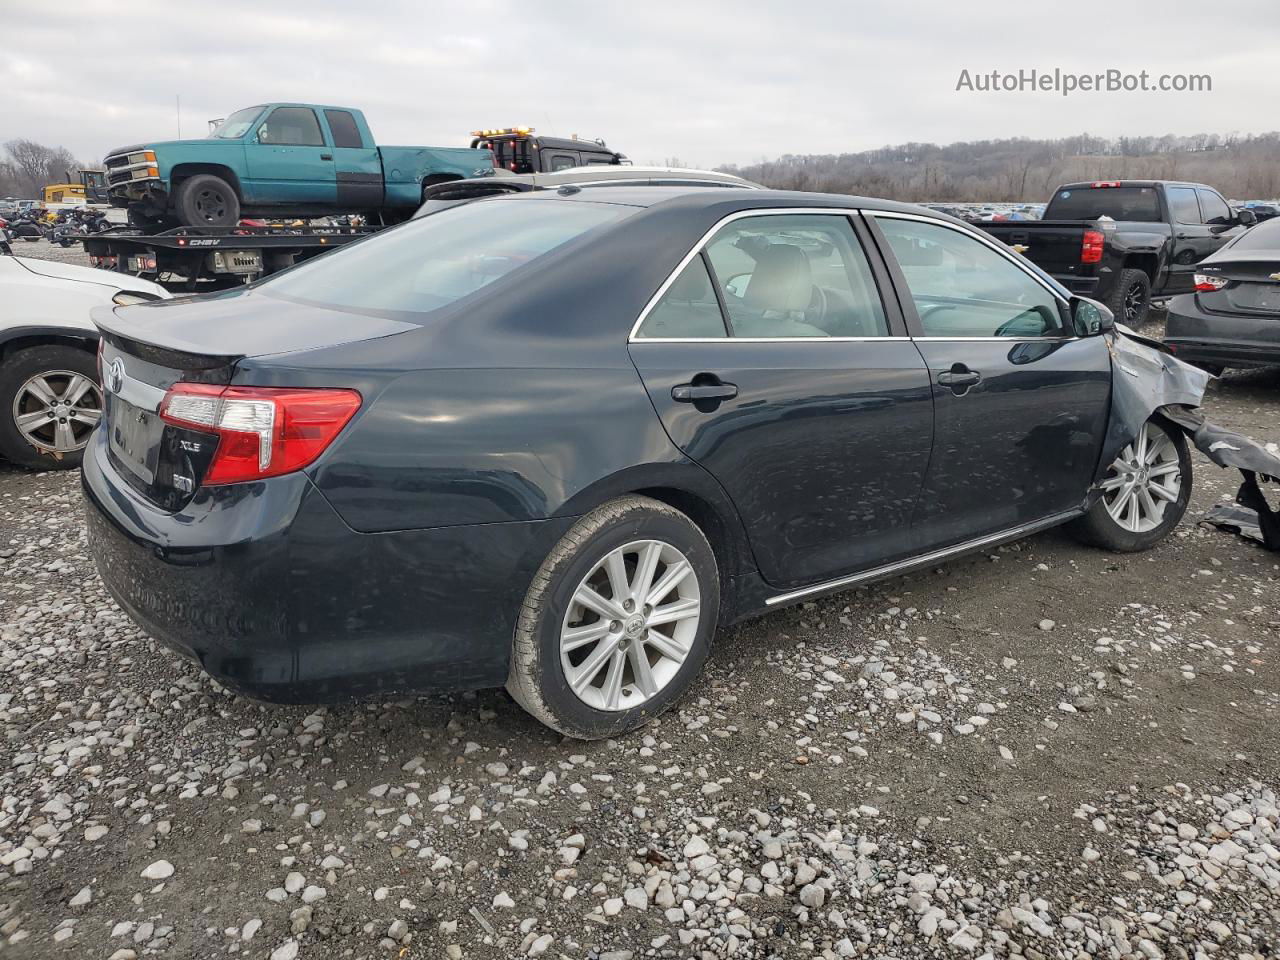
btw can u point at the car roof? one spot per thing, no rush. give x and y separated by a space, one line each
603 172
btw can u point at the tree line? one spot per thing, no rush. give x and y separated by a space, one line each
26 167
1243 167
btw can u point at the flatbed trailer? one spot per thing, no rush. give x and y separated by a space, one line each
201 259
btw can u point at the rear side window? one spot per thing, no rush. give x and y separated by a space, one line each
1183 206
688 310
292 126
343 127
963 288
1093 203
429 263
1213 208
799 275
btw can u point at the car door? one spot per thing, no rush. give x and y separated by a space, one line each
775 364
1194 236
288 160
357 166
1020 403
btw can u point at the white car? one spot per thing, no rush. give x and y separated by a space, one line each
49 394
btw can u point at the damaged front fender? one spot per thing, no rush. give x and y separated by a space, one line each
1147 380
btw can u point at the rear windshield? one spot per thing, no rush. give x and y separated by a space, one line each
1265 236
429 263
1094 203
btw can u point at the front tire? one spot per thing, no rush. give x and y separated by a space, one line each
1145 492
618 620
207 201
49 402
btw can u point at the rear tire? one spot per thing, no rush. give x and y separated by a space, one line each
43 442
1146 491
1131 300
601 670
207 201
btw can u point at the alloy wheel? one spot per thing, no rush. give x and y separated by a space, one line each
630 625
1143 481
1133 300
55 410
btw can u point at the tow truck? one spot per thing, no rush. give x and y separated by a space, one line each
520 150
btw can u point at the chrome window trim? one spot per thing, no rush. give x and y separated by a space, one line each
771 339
848 212
845 212
981 237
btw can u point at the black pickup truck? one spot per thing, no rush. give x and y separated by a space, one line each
1125 241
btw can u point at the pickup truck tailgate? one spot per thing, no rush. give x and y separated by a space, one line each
1054 245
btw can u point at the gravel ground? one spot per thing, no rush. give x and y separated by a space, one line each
1042 751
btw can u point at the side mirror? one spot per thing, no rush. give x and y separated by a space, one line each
1246 218
1090 318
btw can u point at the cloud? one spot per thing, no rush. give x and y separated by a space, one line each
708 82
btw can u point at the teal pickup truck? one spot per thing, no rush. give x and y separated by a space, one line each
281 160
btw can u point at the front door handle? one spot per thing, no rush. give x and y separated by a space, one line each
959 378
326 156
693 392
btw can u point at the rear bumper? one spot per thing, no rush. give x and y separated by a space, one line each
1220 339
272 594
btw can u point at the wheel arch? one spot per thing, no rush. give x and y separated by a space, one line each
20 338
185 171
690 489
1148 263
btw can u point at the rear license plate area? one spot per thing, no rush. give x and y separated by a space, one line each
134 437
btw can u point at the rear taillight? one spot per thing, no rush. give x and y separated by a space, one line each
1091 246
262 431
1208 284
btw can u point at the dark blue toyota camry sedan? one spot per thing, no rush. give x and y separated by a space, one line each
555 440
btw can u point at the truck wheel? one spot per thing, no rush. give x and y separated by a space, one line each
49 403
1131 301
207 201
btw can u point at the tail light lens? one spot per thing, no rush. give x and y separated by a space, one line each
1091 246
1208 284
262 431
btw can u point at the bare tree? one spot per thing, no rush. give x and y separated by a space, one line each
30 165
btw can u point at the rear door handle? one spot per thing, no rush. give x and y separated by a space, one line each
959 378
692 393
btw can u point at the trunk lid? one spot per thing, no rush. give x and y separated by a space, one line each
1253 285
147 348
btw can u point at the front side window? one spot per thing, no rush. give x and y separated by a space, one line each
562 161
963 288
291 127
430 262
796 275
1183 206
1213 208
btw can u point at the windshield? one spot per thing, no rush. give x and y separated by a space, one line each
1094 203
236 125
429 263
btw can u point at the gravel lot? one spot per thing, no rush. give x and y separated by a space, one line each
1043 751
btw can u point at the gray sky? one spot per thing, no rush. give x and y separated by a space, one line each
704 81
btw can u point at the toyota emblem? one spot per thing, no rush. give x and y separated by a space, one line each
115 376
